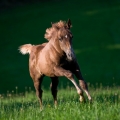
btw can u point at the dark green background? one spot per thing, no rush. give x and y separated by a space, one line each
96 30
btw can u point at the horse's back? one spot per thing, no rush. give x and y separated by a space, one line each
37 48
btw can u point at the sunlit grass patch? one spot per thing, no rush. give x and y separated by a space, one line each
114 46
91 12
105 105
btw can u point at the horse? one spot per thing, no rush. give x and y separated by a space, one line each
55 58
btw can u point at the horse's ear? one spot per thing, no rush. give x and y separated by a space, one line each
69 24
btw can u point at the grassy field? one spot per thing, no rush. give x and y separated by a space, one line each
96 30
105 106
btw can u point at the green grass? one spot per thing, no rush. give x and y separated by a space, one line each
105 106
96 39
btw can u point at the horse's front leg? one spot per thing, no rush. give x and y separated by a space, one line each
83 84
53 86
62 72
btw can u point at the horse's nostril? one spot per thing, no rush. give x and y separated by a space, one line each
69 54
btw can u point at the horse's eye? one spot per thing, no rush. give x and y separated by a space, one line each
60 39
72 37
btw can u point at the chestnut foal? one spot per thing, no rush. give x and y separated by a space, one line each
55 58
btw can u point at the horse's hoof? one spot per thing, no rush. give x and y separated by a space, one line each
82 99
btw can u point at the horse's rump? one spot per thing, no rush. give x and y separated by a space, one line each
27 48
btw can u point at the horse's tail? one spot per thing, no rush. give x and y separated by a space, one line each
25 49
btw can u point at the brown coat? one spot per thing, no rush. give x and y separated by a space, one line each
55 58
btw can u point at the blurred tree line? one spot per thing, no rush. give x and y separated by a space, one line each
12 3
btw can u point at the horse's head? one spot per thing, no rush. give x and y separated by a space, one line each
60 33
65 40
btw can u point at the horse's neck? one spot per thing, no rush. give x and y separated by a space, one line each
56 46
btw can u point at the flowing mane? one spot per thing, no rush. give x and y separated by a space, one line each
55 27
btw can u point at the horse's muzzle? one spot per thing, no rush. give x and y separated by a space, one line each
70 54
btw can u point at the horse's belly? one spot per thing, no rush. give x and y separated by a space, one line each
47 70
47 64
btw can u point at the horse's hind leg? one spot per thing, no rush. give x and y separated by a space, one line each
53 86
37 85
